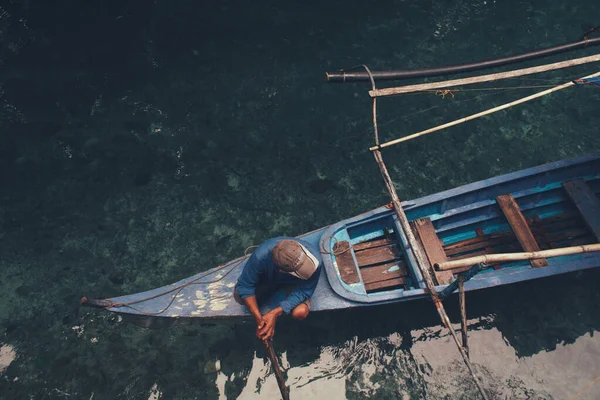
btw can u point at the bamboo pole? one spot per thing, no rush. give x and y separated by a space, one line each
481 114
506 257
285 395
422 262
484 78
422 265
463 312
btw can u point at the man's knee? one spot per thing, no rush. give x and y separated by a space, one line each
300 312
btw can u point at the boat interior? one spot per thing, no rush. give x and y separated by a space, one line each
371 259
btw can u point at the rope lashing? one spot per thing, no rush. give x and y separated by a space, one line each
588 33
483 113
589 81
444 93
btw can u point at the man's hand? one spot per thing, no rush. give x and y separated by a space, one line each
267 331
260 324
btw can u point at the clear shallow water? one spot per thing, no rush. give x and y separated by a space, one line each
141 143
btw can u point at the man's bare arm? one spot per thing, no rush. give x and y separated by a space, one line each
252 305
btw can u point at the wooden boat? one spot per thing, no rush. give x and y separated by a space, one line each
367 260
430 247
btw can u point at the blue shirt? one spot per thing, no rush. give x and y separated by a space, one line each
260 270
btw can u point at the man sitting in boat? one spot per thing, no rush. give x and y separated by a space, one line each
282 265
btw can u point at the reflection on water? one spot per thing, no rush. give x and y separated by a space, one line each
432 368
7 356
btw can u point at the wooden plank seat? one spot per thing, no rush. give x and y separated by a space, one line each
519 226
432 245
384 276
387 284
378 255
381 264
373 243
383 272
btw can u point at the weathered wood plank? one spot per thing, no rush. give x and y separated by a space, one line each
488 249
433 248
587 203
373 243
378 255
382 272
538 227
478 239
540 233
519 225
498 240
385 284
345 262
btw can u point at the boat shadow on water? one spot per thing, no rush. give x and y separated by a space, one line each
531 317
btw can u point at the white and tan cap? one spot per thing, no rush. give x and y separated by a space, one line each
293 258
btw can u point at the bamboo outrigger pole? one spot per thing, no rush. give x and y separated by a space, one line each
359 76
481 114
462 303
419 256
507 257
484 78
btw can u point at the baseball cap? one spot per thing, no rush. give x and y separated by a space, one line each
293 258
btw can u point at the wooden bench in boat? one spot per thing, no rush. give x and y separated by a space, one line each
519 226
380 264
431 245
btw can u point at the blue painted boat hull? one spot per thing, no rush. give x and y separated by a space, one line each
455 214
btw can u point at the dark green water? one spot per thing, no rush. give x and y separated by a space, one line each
141 142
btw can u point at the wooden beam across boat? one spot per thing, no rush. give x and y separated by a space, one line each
433 248
587 203
519 225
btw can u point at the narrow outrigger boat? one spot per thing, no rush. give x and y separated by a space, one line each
529 224
401 251
368 261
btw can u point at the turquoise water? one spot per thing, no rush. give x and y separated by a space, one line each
143 142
